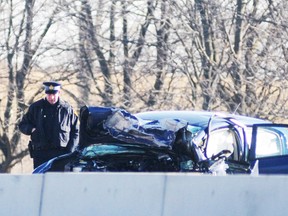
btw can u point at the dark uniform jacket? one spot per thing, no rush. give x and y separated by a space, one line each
56 125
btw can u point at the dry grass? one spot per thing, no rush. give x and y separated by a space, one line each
24 167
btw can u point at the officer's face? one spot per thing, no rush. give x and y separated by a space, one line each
53 98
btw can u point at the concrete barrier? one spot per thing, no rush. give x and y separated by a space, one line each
147 194
20 194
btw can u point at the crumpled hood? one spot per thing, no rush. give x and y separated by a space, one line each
109 124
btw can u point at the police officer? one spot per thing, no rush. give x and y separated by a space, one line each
51 124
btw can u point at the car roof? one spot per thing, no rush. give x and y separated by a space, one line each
200 118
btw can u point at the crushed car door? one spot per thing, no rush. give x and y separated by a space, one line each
269 148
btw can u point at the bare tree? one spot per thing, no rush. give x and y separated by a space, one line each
17 36
226 55
162 35
233 43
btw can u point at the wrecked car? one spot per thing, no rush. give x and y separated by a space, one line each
114 140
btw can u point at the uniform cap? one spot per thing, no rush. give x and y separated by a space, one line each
51 87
